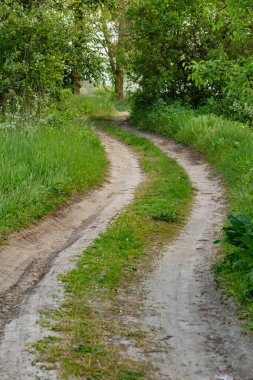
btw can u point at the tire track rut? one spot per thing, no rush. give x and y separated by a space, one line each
32 260
196 329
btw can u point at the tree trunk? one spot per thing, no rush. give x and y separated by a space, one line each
116 49
119 84
77 83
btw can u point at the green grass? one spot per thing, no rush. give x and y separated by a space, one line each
94 104
228 147
43 164
98 288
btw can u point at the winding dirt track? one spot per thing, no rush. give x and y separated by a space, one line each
50 247
197 335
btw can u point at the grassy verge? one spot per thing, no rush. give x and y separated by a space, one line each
228 146
44 163
89 324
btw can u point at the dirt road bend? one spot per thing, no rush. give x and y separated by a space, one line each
31 261
195 328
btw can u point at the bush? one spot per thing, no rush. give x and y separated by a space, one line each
239 234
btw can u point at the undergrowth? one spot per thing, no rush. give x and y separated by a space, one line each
44 161
97 290
228 146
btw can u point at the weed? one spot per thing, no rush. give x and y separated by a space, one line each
240 235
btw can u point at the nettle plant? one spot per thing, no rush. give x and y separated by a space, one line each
240 235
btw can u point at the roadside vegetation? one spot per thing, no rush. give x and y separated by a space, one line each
46 160
228 147
98 288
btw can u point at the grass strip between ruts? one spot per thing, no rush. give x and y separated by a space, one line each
90 318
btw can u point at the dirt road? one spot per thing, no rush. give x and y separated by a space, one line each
49 248
193 327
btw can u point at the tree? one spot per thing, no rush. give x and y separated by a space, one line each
165 35
32 42
196 51
42 45
228 68
84 60
109 26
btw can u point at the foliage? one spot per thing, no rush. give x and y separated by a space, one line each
165 37
84 60
197 51
41 43
228 146
239 234
194 51
228 70
31 42
109 28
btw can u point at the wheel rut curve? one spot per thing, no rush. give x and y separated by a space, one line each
51 248
195 328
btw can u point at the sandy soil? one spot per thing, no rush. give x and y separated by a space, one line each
194 327
31 261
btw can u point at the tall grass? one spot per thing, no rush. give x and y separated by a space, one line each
228 146
96 104
42 165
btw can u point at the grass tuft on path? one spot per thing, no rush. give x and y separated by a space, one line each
98 290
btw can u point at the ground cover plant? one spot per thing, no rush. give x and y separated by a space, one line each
239 234
44 162
98 288
228 146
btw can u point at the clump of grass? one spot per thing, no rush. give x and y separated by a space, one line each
228 146
89 318
43 165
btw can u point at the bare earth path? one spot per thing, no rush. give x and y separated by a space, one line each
197 335
51 245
